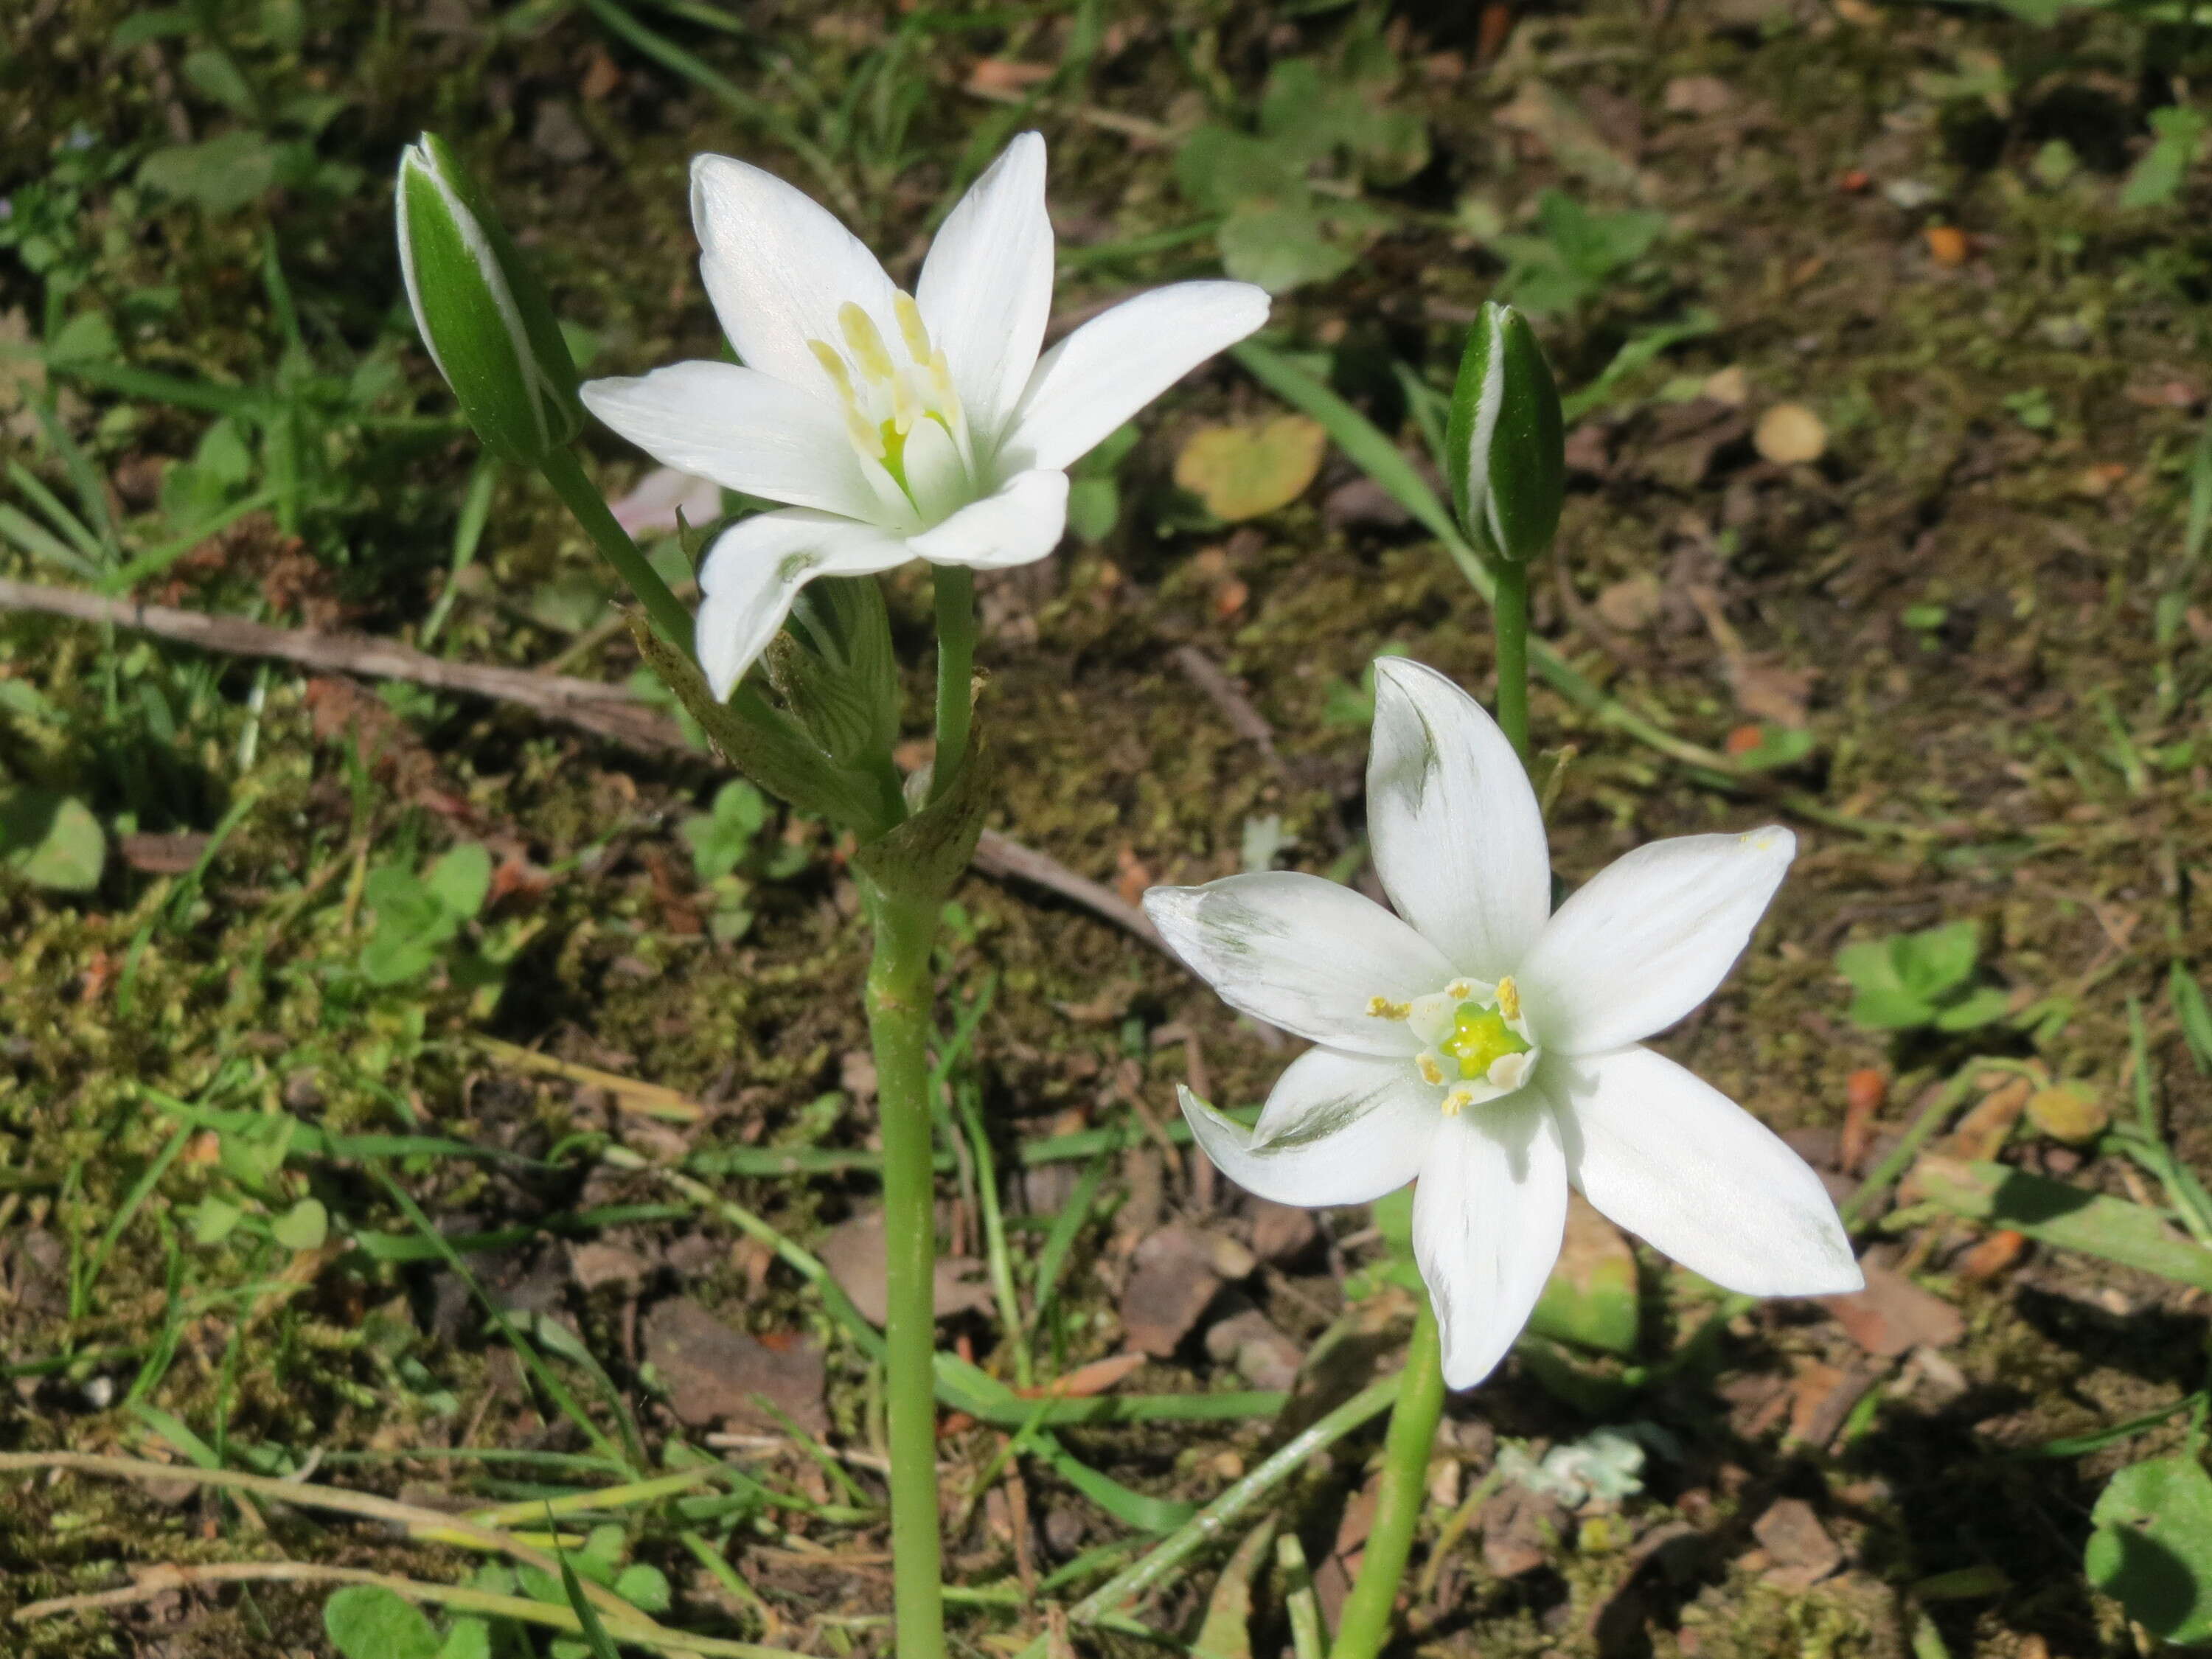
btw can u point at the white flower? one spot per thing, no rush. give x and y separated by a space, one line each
896 427
1491 1047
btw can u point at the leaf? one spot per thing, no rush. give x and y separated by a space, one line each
467 1638
1244 471
1227 1632
220 175
2158 177
644 1587
460 880
367 1621
1930 964
1285 244
1590 1298
302 1227
1890 1011
924 857
2054 1212
2152 1548
52 840
721 837
214 1219
586 1615
1978 1008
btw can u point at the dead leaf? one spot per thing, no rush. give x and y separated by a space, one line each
1729 385
1631 604
712 1372
1998 1254
1172 1281
1698 94
1864 1091
1520 1530
853 1253
1790 434
596 1265
1893 1315
1981 1134
1947 245
1244 471
162 854
1800 1548
2068 1112
1086 1381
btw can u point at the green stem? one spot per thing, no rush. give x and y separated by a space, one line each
898 1025
1509 620
1365 1624
955 672
590 509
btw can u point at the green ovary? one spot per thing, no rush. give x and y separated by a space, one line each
1478 1037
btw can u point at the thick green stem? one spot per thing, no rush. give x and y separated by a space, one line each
1365 1625
898 1026
1509 617
955 672
590 509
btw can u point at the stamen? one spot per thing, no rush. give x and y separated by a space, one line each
867 437
1460 990
905 408
911 328
1458 1101
865 343
1432 1073
1383 1008
1509 998
834 367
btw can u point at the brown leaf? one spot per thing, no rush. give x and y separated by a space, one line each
1790 434
853 1253
162 855
1085 1381
1864 1091
1520 1530
1172 1281
1800 1548
712 1372
1893 1315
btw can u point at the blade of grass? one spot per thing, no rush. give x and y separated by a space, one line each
1067 1227
141 1190
556 1390
2071 1218
999 1257
468 533
90 546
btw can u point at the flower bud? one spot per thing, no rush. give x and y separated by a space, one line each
481 311
1505 444
834 669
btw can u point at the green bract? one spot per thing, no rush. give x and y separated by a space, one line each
1505 444
481 312
834 669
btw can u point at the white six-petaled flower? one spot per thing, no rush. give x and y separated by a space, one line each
893 426
1491 1047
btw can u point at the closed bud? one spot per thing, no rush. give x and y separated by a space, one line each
487 322
834 669
1505 443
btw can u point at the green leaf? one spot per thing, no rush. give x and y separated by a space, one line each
586 1615
1590 1298
214 1219
1930 964
1281 245
2158 177
923 857
644 1587
1227 1632
52 840
721 837
2068 1217
2152 1548
214 74
1978 1008
220 175
468 1639
461 880
1890 1011
87 337
302 1227
367 1621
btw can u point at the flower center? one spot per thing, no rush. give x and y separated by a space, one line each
905 415
1476 1043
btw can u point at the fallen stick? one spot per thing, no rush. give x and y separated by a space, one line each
613 712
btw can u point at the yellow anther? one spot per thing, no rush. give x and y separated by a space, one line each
867 437
911 328
1509 998
865 345
834 367
1431 1072
905 408
1459 989
1383 1008
1458 1101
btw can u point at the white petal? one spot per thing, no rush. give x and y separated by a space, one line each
1339 1128
663 493
1018 524
1488 1217
1651 937
1114 364
1458 836
777 265
742 428
1680 1165
986 288
1301 953
756 568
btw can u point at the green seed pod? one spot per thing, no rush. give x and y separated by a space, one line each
1506 443
487 322
833 667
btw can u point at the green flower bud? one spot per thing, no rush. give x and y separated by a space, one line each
1506 444
833 667
481 311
